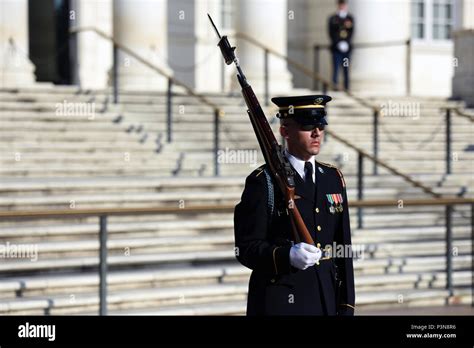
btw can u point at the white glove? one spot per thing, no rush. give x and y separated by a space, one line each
343 46
303 255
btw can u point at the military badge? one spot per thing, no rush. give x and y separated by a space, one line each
318 101
335 200
332 209
340 200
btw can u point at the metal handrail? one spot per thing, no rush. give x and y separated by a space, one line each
369 44
144 61
406 43
459 112
215 107
59 213
103 213
218 112
374 158
326 83
381 163
305 70
450 110
376 109
55 213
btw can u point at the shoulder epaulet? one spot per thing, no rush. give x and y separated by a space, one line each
343 182
259 170
327 164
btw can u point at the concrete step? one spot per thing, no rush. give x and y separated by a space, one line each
165 244
396 263
136 183
170 299
412 298
223 241
124 170
188 170
48 285
196 195
381 231
44 151
182 107
237 131
400 234
410 280
399 264
28 286
52 265
220 308
70 146
187 227
137 246
411 248
124 197
75 90
126 299
374 186
429 124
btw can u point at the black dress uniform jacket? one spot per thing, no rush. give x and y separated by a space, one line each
263 244
340 29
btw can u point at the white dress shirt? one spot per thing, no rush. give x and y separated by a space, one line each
342 14
298 164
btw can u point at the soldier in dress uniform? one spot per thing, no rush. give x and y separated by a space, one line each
341 26
289 278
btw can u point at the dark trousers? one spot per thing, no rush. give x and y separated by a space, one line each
338 60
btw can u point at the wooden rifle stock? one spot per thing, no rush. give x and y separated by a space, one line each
280 169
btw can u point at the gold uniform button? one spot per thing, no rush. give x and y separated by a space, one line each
317 210
319 228
318 245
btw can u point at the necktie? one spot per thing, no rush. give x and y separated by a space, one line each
308 178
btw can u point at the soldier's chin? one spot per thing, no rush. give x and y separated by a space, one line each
314 150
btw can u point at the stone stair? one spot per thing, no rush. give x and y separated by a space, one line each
183 264
48 137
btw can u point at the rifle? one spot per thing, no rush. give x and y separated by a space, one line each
280 168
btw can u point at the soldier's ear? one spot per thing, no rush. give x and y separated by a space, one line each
284 131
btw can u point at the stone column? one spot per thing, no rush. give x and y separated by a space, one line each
379 70
309 27
93 53
207 58
463 80
266 21
467 11
141 26
16 68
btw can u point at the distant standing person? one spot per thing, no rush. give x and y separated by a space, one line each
341 27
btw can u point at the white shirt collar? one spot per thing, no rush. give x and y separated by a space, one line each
298 164
342 14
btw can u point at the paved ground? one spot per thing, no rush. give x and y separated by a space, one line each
451 310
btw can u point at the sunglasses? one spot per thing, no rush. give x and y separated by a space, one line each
312 127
